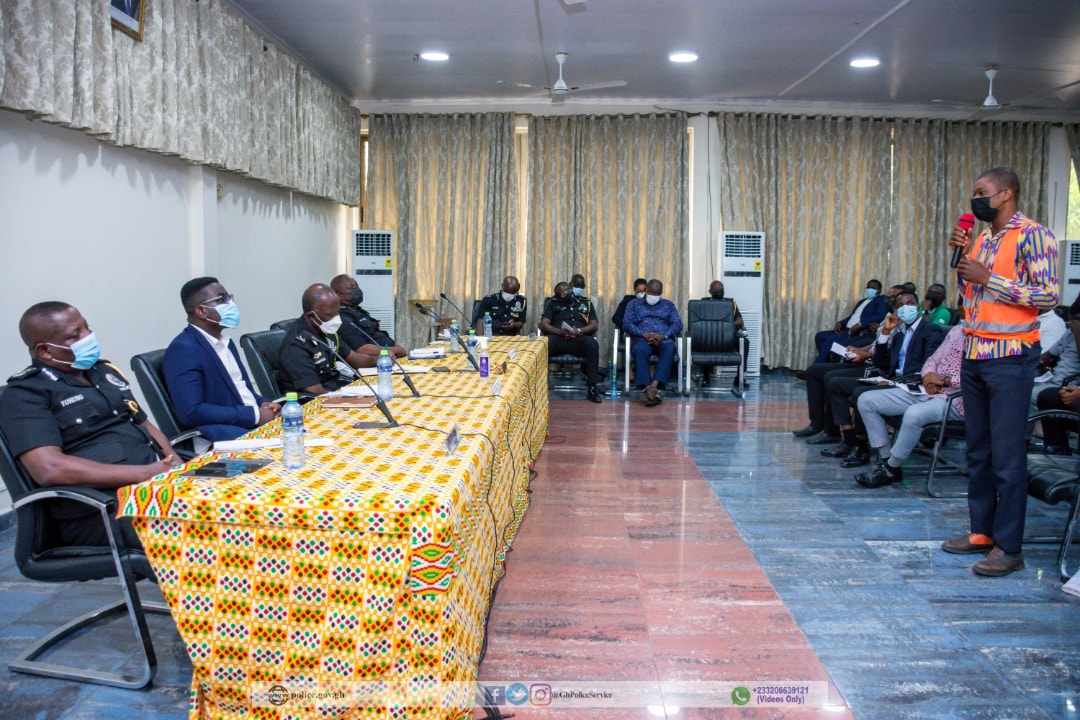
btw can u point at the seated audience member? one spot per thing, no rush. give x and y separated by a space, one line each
314 359
1056 431
653 323
570 323
620 312
940 376
208 385
70 419
934 308
821 429
577 285
909 287
904 343
858 327
507 309
1061 360
358 327
716 292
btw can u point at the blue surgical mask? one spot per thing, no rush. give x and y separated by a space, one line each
871 293
578 292
86 351
229 314
907 313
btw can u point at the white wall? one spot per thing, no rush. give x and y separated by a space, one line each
116 232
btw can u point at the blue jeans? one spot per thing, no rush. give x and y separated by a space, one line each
665 354
996 396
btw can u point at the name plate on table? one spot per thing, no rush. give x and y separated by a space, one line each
453 439
496 387
512 353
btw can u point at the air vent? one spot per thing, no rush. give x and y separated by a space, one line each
743 245
373 243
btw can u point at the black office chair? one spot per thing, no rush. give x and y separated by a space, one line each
713 338
41 556
151 377
282 324
1054 479
262 349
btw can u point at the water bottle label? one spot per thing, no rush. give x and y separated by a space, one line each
484 366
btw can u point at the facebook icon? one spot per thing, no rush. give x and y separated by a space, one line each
494 694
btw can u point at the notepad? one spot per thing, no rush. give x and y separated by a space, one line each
230 467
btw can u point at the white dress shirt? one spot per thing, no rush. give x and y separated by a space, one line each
221 347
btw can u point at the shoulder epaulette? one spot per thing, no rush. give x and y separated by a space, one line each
26 372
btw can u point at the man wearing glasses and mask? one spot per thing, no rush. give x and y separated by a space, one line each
570 323
209 387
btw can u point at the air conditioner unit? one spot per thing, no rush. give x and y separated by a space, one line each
1070 284
373 268
742 270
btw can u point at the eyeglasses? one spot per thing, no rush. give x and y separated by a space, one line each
219 300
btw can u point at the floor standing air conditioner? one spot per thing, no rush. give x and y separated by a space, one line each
742 270
373 268
1070 286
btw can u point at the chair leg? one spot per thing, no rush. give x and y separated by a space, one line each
935 458
1070 532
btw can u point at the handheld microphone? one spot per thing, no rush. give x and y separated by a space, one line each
456 335
966 221
466 321
379 402
405 375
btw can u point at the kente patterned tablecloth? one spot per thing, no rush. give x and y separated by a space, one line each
371 567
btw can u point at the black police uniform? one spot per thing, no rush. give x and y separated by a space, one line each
578 313
502 312
42 407
357 317
307 359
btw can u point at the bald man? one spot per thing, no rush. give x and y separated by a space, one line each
358 327
314 358
70 419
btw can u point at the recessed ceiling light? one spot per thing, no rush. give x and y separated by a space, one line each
865 62
682 57
434 56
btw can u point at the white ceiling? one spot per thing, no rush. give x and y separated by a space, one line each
781 55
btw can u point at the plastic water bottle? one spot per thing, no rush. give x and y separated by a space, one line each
292 433
488 331
484 361
384 366
471 343
454 337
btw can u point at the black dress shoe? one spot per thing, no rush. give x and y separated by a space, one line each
837 451
823 438
806 431
856 458
706 381
593 394
884 474
800 374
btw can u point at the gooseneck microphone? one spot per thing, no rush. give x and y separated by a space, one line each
379 402
966 221
404 374
465 319
455 335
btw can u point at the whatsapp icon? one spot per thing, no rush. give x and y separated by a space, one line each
740 695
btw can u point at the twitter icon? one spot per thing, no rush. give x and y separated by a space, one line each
517 694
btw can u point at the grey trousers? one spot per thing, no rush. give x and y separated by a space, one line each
918 411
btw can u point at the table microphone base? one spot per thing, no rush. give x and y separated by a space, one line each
373 425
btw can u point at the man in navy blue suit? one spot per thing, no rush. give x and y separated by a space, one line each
858 327
208 385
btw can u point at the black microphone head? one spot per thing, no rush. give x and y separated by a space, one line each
443 296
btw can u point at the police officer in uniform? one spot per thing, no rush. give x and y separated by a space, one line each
70 419
314 358
358 327
507 309
570 323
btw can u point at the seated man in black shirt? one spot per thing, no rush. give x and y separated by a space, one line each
507 309
716 292
570 322
70 419
639 292
314 359
358 327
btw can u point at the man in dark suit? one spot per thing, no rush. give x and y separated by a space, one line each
858 327
905 341
208 385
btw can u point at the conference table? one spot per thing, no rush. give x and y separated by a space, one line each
358 585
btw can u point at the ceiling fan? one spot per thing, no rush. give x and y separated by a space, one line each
561 89
991 103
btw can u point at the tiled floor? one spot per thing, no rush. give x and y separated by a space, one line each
698 542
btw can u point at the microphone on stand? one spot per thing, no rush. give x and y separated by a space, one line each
379 402
467 323
405 375
455 335
966 221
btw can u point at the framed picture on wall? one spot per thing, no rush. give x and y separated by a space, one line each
127 16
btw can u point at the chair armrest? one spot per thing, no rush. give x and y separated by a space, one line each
1054 415
1070 379
93 497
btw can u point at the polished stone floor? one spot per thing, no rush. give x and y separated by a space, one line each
698 542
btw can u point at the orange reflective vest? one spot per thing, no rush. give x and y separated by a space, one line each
988 317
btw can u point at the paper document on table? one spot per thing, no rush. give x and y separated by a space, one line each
265 443
841 350
411 369
352 391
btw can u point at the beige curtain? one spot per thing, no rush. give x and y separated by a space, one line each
446 185
1073 133
818 188
201 85
608 198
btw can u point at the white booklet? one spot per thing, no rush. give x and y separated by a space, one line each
841 351
1073 586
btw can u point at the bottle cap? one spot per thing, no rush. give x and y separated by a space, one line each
290 397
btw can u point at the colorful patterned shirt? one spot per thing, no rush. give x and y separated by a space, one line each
946 362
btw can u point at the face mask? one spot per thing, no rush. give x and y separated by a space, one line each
229 314
331 326
907 313
86 352
871 293
718 295
578 292
509 297
639 295
652 299
980 208
935 298
566 297
356 297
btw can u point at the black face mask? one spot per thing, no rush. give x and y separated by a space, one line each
980 208
567 297
356 297
935 298
718 295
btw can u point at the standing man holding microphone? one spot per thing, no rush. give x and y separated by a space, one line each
1005 276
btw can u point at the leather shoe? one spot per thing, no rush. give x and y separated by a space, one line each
856 458
652 396
800 374
970 544
998 563
836 451
884 474
806 431
706 381
593 394
823 438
